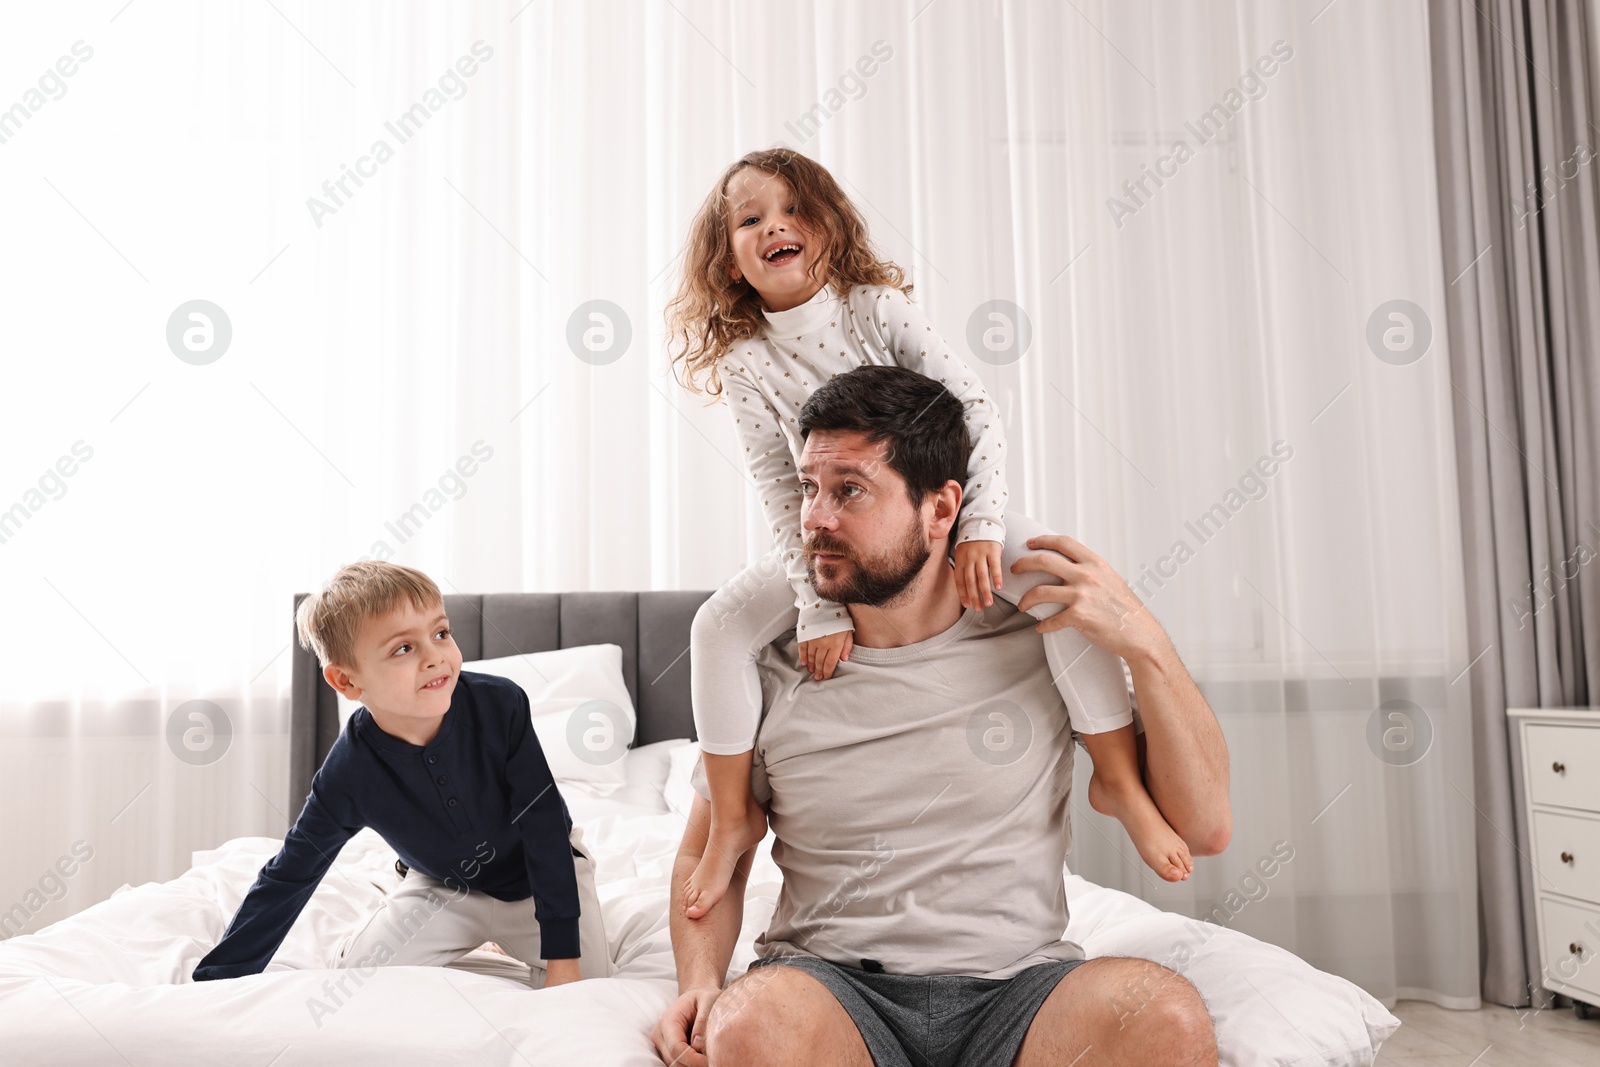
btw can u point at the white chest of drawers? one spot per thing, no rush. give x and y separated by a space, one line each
1561 770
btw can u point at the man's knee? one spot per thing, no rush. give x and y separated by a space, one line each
1172 1007
758 1014
1133 1008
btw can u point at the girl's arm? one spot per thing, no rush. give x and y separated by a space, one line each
770 461
906 334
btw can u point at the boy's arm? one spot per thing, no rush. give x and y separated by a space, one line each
910 338
278 895
770 462
540 817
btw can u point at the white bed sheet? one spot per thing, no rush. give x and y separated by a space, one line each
111 984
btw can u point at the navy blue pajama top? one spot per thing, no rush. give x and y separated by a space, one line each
476 807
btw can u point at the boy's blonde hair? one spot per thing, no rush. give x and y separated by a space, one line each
329 621
711 311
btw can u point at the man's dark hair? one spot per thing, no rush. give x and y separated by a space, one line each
924 425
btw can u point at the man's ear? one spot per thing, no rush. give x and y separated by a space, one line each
946 509
340 679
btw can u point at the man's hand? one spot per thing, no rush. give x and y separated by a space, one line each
822 655
1095 599
1185 755
685 1016
702 948
560 972
978 572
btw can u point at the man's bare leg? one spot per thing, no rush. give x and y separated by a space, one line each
777 1016
1118 1011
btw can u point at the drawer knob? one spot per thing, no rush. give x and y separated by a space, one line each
1575 948
1566 857
1559 767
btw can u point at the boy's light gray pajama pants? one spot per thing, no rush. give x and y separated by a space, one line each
427 923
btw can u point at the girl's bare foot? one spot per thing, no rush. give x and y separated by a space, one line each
1162 850
728 841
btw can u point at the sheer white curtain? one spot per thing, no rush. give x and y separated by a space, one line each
400 379
1222 320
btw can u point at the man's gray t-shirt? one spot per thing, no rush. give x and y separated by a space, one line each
919 801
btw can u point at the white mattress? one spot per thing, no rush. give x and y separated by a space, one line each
111 984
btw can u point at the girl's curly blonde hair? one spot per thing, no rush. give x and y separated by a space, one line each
711 311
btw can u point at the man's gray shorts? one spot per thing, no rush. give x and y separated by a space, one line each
941 1020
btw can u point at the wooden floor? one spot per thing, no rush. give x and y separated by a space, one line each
1430 1036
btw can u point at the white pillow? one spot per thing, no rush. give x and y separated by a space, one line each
680 791
646 767
582 713
1267 1005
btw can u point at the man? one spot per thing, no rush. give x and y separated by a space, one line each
919 797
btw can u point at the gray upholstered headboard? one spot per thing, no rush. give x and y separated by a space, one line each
651 627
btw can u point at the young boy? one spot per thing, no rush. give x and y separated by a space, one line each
446 767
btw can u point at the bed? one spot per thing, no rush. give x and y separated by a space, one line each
111 984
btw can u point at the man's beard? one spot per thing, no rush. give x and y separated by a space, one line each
870 583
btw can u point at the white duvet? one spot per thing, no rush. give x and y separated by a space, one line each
111 984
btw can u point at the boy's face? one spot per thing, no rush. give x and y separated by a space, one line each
406 664
772 249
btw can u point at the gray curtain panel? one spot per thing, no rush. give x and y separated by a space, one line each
1515 141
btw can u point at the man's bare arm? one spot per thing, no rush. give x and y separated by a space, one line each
1182 754
703 947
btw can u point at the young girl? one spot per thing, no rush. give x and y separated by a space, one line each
781 289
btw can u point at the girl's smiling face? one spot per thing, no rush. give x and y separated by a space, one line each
772 249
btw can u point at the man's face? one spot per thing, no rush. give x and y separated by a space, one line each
865 541
407 664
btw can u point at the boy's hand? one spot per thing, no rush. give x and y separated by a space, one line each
822 655
978 572
560 972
